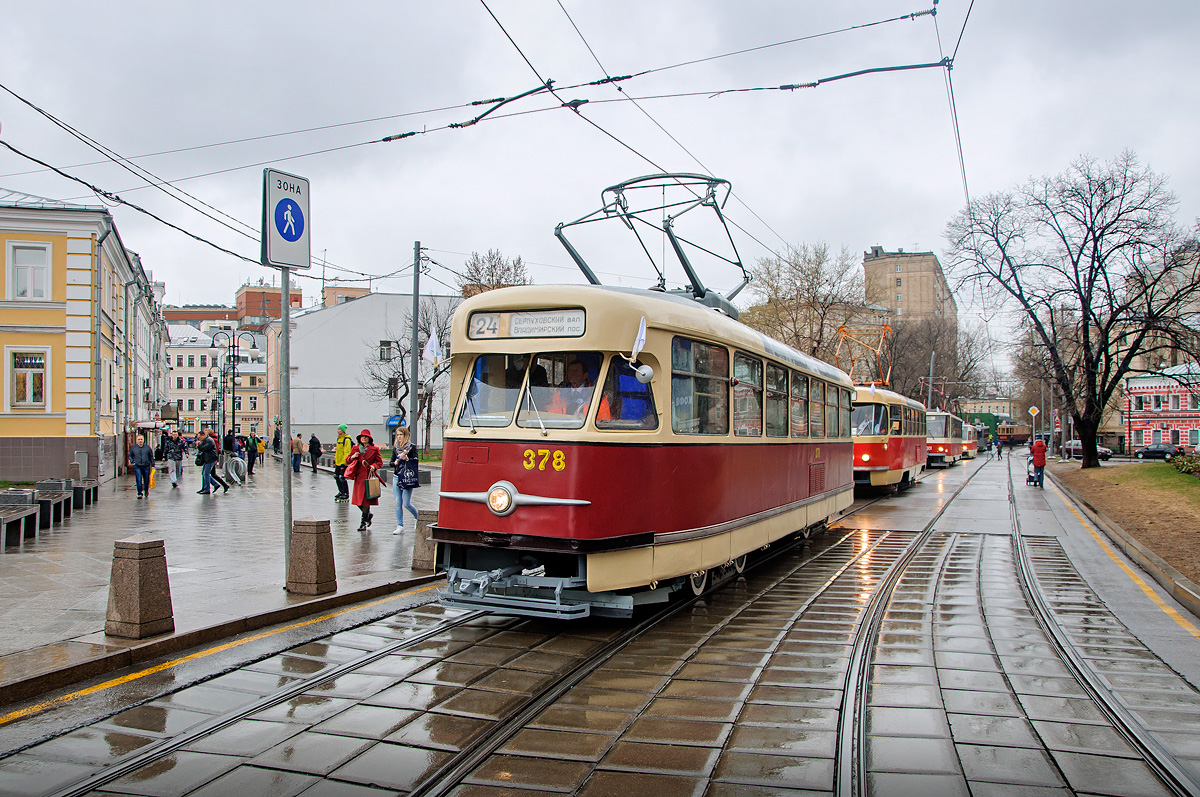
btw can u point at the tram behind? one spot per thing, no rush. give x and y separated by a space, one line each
970 444
583 476
944 438
889 438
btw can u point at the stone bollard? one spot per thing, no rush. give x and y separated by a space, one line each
73 471
139 593
424 555
310 569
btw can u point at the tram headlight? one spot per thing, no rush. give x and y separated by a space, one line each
500 500
866 457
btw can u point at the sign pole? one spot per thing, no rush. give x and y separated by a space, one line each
285 410
415 358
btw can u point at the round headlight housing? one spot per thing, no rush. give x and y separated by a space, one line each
500 500
866 457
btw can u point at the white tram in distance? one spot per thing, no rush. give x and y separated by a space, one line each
944 438
585 475
889 438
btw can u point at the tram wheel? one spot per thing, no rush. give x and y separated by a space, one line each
739 564
698 582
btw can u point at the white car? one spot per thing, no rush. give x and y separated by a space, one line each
1074 448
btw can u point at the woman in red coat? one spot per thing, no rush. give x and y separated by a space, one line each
364 461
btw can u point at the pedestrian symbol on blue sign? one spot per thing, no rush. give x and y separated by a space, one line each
289 220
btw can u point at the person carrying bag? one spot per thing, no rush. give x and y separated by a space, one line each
404 466
363 467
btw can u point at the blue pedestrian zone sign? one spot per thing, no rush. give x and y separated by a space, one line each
289 220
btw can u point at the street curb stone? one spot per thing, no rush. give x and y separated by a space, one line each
1182 589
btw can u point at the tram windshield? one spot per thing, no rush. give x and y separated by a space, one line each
560 389
625 403
492 389
870 419
936 426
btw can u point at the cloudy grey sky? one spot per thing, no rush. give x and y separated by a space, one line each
864 161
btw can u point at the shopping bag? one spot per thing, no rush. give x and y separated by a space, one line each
372 487
152 478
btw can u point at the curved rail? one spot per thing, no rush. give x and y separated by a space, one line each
1173 775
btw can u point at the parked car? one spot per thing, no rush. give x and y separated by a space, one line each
1159 451
1074 448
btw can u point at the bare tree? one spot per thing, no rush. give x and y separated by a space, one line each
959 355
805 296
490 271
385 373
1097 266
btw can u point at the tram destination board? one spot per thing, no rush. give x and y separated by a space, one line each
285 221
568 323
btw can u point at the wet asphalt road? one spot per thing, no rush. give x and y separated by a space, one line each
738 693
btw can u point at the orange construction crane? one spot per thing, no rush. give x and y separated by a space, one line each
862 352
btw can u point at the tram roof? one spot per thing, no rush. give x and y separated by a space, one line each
873 393
662 310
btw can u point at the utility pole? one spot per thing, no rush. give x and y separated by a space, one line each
929 400
285 410
415 356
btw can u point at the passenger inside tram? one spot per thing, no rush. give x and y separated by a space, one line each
870 419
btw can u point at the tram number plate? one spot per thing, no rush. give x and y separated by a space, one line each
484 325
542 457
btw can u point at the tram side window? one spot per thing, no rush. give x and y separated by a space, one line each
831 411
844 413
561 404
799 413
894 413
489 401
816 411
747 396
777 401
699 387
625 403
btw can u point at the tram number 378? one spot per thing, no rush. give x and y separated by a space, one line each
538 459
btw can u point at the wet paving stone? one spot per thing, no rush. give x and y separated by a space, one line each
535 661
481 704
297 666
972 680
1009 765
978 662
573 746
256 683
650 665
922 755
306 709
784 741
538 773
158 720
1000 731
175 774
328 652
312 753
664 759
395 666
440 731
567 718
414 696
24 775
604 699
710 690
94 746
392 766
905 695
445 673
515 681
900 784
1077 738
207 699
245 738
682 708
896 674
969 702
487 655
1109 776
907 722
353 685
623 681
796 696
622 784
1048 686
369 722
674 731
1068 709
775 770
258 782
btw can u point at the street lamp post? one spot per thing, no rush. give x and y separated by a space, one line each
231 359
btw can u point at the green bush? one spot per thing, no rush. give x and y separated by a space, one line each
1189 463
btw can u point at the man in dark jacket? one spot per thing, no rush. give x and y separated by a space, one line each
275 441
251 453
141 456
207 459
229 443
174 447
314 450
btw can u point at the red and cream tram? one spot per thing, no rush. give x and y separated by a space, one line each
943 438
970 441
889 438
585 472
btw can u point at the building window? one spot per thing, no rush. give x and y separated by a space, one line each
1194 437
203 405
237 402
1156 436
253 381
1139 403
237 428
29 271
204 383
179 383
898 281
385 350
898 267
1174 437
253 403
191 361
1175 402
191 383
1140 434
203 360
899 297
1194 403
28 378
1157 403
178 404
191 405
178 360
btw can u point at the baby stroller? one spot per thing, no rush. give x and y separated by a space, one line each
1030 475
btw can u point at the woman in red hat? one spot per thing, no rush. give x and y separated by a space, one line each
363 463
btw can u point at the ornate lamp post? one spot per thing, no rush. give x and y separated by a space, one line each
231 360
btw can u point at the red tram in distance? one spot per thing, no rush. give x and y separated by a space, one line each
970 441
889 438
585 473
944 438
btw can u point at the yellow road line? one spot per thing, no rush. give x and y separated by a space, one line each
166 665
1137 579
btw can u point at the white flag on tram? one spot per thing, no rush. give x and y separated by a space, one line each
639 342
433 349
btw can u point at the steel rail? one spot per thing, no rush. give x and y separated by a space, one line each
160 749
849 766
451 774
1174 776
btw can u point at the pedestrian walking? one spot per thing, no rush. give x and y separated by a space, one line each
275 442
363 467
141 456
206 458
251 453
1038 449
174 447
314 450
404 476
297 448
229 444
999 448
341 452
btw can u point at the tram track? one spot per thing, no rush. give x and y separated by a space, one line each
1180 779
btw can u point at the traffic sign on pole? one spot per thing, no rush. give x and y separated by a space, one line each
1033 411
285 220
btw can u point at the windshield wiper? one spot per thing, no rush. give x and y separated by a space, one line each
536 414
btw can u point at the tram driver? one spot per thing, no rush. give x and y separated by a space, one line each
575 392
